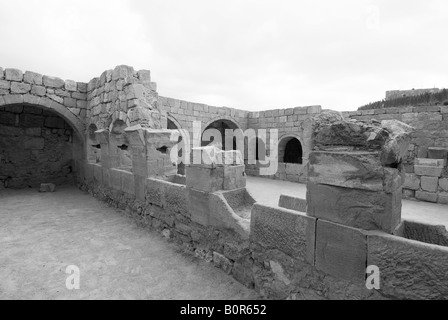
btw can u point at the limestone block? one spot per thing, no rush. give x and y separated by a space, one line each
234 177
38 90
430 162
127 182
155 190
410 270
106 176
426 196
341 251
53 82
115 179
430 184
359 170
20 88
205 179
412 182
222 262
47 187
13 75
292 203
176 199
430 171
443 198
122 72
5 84
199 206
32 78
443 183
432 234
355 208
438 153
284 230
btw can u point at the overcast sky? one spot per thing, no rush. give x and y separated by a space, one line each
248 54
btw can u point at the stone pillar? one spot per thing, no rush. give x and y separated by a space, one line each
356 174
355 183
216 171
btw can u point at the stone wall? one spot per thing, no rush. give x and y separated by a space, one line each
36 146
431 133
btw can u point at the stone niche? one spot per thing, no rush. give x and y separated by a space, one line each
356 173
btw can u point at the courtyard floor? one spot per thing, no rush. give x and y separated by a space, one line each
43 233
268 192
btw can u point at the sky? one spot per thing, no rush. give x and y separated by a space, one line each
247 54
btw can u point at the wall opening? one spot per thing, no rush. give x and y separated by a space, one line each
221 125
290 151
36 146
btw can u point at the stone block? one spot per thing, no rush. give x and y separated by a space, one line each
430 171
234 177
5 84
70 85
176 199
355 208
53 82
426 196
438 153
13 75
430 162
443 198
32 78
155 190
199 206
357 170
38 90
292 203
222 262
127 182
20 88
410 270
430 184
443 184
412 182
205 179
47 187
341 251
115 179
285 230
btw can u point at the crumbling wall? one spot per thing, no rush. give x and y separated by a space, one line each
36 146
425 180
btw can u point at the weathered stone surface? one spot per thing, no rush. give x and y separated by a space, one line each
438 153
355 208
13 75
430 184
199 206
357 170
70 85
341 251
443 198
428 171
430 162
410 270
38 90
292 203
205 179
5 84
426 196
127 182
234 177
432 234
284 230
53 82
122 72
32 78
47 187
443 183
412 182
20 88
222 262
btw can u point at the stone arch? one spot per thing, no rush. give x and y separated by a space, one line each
221 123
290 149
47 104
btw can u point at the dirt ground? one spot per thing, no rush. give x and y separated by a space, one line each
41 234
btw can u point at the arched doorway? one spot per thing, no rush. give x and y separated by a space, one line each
37 145
290 151
221 125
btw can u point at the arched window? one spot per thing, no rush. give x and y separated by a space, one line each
290 151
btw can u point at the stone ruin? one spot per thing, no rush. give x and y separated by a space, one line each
316 248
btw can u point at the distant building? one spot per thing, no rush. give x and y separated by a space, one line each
409 93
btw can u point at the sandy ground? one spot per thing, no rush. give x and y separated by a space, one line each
42 234
268 192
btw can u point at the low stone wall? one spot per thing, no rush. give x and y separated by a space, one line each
284 254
